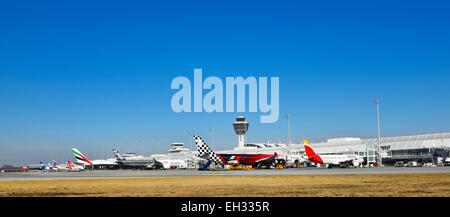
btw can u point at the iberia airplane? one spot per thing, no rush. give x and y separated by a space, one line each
332 160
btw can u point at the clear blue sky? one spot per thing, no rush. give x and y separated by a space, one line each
97 74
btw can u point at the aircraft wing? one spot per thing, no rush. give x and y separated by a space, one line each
265 161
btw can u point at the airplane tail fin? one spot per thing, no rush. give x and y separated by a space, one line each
309 151
80 157
117 154
70 164
205 152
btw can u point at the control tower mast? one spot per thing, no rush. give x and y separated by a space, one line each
241 127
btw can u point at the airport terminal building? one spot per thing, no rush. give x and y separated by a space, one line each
426 148
418 148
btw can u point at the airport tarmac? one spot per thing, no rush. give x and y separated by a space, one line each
104 174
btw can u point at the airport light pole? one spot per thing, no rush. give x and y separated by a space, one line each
377 102
367 155
212 136
157 145
289 127
142 147
191 138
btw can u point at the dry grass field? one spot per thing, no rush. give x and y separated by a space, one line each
409 185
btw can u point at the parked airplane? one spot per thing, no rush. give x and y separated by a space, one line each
72 167
47 167
83 161
173 163
332 160
255 160
55 167
133 161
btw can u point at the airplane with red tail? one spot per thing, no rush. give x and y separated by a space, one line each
332 160
72 167
254 160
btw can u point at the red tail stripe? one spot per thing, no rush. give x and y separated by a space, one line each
221 158
86 160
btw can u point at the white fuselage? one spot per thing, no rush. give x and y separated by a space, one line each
338 159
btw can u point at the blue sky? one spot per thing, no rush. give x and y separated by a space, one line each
97 74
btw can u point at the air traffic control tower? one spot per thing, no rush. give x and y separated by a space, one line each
241 127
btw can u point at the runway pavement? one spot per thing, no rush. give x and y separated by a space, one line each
100 174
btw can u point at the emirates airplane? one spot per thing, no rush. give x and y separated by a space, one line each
83 161
343 161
